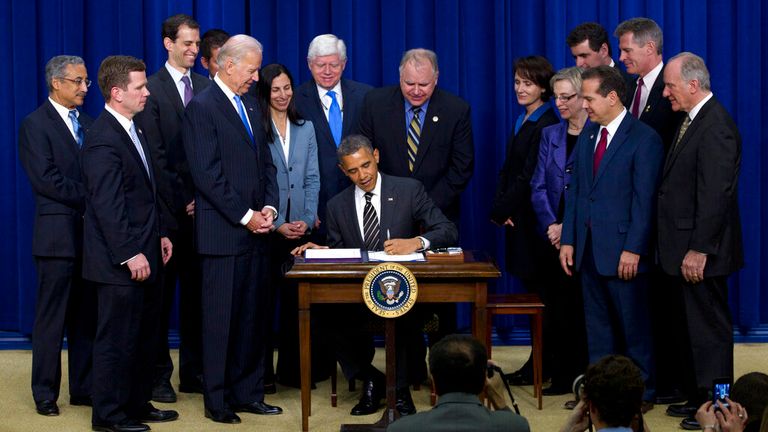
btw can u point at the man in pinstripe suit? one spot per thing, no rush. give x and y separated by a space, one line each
235 205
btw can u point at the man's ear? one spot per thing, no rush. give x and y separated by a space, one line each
376 155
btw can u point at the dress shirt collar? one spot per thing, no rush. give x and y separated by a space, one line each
227 91
650 78
62 110
176 75
424 106
326 100
360 194
124 121
695 110
613 63
612 127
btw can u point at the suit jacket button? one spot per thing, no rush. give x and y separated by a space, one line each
291 186
591 200
290 169
566 187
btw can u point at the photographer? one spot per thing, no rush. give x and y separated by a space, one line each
458 364
613 394
751 392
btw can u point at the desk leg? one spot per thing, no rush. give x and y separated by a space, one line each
480 314
305 350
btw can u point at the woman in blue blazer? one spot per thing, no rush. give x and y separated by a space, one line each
549 184
294 153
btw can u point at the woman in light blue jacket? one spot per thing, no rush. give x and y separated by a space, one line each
294 152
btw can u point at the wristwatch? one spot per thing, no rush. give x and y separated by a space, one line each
423 244
274 214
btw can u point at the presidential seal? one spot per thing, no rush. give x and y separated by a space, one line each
390 290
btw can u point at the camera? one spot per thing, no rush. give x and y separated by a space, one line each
578 387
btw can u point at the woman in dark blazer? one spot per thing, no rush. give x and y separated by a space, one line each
293 148
526 250
567 335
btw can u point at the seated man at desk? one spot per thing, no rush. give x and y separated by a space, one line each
410 222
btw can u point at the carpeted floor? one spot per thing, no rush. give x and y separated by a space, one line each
17 410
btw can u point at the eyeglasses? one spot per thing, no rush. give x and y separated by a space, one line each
562 98
332 66
78 81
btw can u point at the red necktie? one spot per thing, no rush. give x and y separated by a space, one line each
636 102
599 151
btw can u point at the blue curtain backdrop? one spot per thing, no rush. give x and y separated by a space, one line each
476 41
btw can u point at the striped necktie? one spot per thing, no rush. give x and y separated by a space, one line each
414 132
76 128
370 224
683 128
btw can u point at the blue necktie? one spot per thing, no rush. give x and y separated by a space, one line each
76 127
139 149
243 117
334 118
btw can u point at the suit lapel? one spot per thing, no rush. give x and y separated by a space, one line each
126 138
428 127
232 116
692 128
616 142
388 202
349 108
654 96
61 128
350 214
559 146
318 112
171 91
396 122
149 176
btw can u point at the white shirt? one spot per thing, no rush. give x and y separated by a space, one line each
176 76
612 127
64 113
326 100
285 141
648 80
695 110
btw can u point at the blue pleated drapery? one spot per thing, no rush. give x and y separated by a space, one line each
476 42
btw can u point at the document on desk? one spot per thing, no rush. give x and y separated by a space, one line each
333 255
383 256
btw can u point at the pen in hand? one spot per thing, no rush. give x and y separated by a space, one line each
388 238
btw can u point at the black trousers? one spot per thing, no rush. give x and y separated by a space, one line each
234 325
123 350
65 304
183 267
709 343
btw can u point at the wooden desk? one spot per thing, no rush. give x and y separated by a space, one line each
439 282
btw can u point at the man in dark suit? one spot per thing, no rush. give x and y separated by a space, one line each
210 45
699 232
422 132
641 43
458 365
171 89
335 115
235 206
607 223
123 251
400 209
590 47
49 145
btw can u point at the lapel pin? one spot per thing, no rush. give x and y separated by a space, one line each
591 137
648 108
435 119
390 199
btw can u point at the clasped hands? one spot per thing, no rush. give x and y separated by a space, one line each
293 230
261 222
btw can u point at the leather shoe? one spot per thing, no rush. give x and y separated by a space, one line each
673 396
373 392
404 402
154 415
80 401
683 410
690 423
127 425
646 406
222 416
261 408
163 392
192 385
47 408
